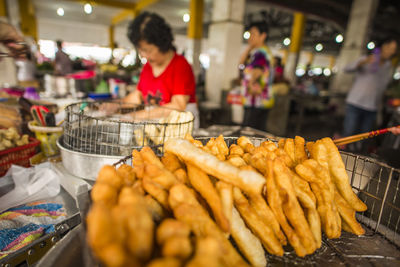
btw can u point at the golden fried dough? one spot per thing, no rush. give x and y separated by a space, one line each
275 202
348 216
156 210
201 182
258 227
246 180
138 164
340 177
248 243
127 174
104 193
156 191
171 162
181 176
299 150
165 262
291 206
234 149
160 175
171 227
226 194
188 210
207 254
108 175
177 246
267 216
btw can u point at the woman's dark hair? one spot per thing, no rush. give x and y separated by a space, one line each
261 26
386 40
153 29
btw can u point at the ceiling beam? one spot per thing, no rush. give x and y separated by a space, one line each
145 3
132 12
325 14
110 3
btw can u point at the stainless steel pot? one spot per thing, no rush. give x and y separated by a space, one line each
84 165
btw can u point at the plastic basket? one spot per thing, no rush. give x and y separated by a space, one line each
48 138
19 155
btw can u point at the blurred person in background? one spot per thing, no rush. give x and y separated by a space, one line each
62 62
167 78
257 77
372 75
278 74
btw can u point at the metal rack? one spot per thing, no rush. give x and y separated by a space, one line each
378 185
89 129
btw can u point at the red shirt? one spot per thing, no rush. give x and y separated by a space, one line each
177 79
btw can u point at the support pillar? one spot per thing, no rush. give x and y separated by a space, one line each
296 41
355 41
195 33
111 42
310 58
28 18
225 40
332 62
3 8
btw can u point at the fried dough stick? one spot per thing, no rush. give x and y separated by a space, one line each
127 174
348 216
248 243
187 209
138 164
299 149
156 191
171 162
340 177
201 182
226 194
160 175
267 216
258 227
165 262
275 202
132 215
291 206
314 173
207 254
246 180
307 200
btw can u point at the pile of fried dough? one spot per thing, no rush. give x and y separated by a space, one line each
198 204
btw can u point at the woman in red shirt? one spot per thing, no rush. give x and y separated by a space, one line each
167 78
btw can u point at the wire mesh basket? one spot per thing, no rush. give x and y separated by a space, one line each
89 129
378 185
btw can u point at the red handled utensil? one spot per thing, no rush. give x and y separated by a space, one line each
362 136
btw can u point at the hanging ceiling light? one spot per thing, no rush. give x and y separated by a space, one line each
60 11
319 47
88 8
186 17
339 38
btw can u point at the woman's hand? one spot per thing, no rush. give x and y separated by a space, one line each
395 130
12 40
110 108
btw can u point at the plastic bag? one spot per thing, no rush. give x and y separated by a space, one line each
30 184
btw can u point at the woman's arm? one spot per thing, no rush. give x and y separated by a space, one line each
178 102
133 98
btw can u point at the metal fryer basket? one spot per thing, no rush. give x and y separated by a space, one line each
88 129
378 185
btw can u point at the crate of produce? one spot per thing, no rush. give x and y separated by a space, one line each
19 155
